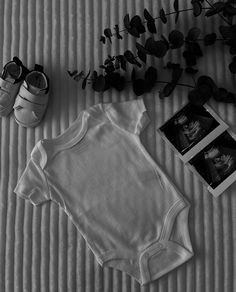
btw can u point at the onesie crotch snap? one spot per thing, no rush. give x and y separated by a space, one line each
145 257
160 258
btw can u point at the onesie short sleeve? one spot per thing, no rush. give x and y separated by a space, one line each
32 184
129 115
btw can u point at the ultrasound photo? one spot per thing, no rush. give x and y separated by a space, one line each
187 127
216 162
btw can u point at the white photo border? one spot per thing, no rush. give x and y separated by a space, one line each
225 183
203 142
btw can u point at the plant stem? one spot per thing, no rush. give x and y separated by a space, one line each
183 10
159 81
178 84
167 14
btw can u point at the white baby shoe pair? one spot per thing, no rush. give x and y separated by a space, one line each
24 91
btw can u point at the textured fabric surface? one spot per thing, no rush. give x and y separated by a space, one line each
40 249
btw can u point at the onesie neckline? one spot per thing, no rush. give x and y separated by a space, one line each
59 142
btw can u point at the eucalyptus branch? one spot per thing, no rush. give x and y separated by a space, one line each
203 87
166 14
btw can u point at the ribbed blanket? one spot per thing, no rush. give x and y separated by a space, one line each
40 249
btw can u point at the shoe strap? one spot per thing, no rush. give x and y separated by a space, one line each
5 85
38 67
24 103
38 99
17 61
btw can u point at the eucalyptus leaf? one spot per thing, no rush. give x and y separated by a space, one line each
103 39
136 22
167 90
176 38
195 49
190 58
151 26
193 34
195 97
210 39
142 56
225 96
130 58
116 80
108 33
84 83
230 98
228 31
203 79
221 94
110 68
73 73
163 16
147 15
232 67
99 83
139 86
122 61
176 74
142 52
151 76
197 8
107 85
134 32
229 9
150 45
205 91
156 48
160 49
79 76
166 41
117 31
120 85
94 75
107 61
142 48
133 75
127 22
117 64
176 8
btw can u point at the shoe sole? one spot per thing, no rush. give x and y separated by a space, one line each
32 125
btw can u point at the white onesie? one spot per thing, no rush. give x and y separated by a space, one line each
131 215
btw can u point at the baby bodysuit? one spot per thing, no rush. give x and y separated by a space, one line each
131 215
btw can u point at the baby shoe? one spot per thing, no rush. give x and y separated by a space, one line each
32 98
11 78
